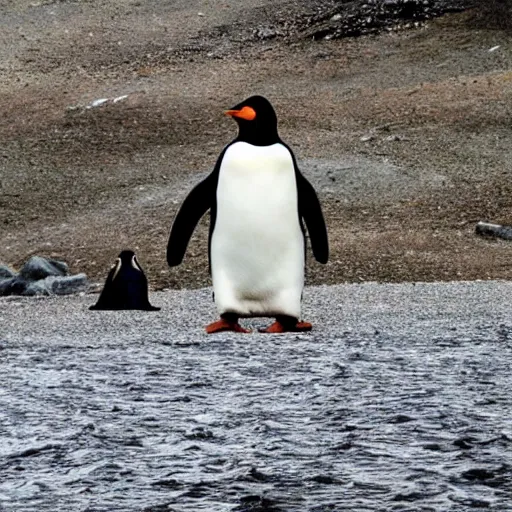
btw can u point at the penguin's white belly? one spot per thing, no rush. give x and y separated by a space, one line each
257 246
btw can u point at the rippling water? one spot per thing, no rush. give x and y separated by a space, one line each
258 423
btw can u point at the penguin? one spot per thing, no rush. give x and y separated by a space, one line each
126 286
260 207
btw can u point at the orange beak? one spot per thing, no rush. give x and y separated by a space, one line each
246 113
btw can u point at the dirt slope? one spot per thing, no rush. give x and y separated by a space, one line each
405 134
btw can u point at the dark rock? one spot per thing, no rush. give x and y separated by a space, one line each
486 229
5 285
56 285
39 287
13 286
60 265
70 284
41 276
39 268
6 272
349 19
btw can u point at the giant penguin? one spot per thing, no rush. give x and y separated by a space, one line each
259 202
126 286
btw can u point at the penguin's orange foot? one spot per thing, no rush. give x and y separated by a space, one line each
224 325
279 327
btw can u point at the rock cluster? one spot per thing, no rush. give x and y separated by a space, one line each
41 276
350 19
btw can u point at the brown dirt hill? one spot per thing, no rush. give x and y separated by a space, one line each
404 133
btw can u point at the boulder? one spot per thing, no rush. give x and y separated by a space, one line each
13 286
39 287
487 229
70 284
39 268
6 286
6 272
41 276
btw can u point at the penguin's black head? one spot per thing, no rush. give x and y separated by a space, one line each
127 259
126 256
257 121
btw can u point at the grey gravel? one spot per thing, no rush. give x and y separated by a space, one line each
419 309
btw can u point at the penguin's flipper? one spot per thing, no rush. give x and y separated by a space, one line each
196 204
311 211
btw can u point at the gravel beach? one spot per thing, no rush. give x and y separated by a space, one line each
398 400
405 309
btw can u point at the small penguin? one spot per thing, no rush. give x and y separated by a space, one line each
126 286
258 201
